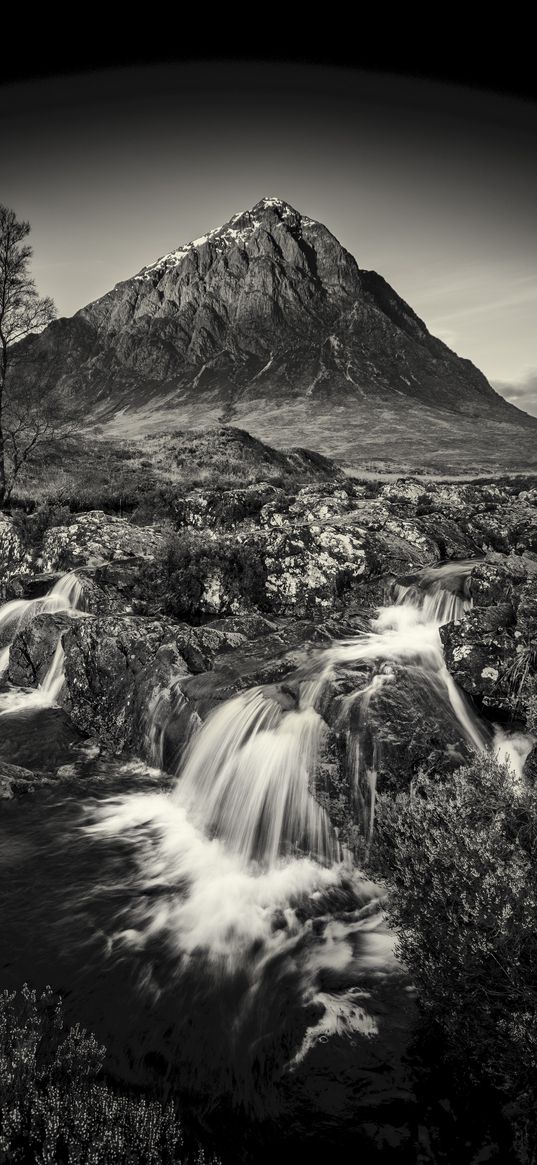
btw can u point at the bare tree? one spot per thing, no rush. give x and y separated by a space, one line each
27 418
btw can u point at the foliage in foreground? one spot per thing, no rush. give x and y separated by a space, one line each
461 857
54 1107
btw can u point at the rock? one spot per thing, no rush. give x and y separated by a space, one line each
311 570
203 509
14 779
491 652
39 739
33 649
406 489
445 532
95 537
498 579
111 667
481 654
504 528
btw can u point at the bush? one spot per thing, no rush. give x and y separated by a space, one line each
195 560
55 1108
32 526
462 860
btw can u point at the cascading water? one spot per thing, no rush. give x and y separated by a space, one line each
218 936
14 616
242 823
407 633
239 859
245 778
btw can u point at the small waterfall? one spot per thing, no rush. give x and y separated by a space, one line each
63 596
167 708
246 778
14 616
54 679
512 749
441 593
407 634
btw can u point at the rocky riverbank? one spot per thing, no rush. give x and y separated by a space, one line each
245 584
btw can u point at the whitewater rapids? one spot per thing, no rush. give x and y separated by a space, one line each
239 867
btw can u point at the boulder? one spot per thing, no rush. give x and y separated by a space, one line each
34 647
311 569
503 528
204 509
112 668
95 537
491 653
14 780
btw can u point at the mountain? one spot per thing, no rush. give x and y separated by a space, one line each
268 322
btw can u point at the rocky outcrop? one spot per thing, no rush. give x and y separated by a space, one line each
492 652
112 666
198 613
95 537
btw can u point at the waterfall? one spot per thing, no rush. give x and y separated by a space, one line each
4 660
441 593
512 749
54 680
408 633
63 596
246 778
14 616
239 870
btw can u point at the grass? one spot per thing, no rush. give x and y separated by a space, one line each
147 479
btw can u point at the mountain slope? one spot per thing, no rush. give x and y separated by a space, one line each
267 318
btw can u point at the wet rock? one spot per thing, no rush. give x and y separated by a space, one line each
33 649
491 652
114 665
14 779
111 666
39 739
481 659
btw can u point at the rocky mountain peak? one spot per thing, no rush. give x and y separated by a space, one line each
270 224
267 322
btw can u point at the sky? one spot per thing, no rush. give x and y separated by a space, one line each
432 185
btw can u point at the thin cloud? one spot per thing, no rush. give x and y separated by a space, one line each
522 393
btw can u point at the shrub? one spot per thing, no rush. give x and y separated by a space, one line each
461 857
32 526
194 559
54 1107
